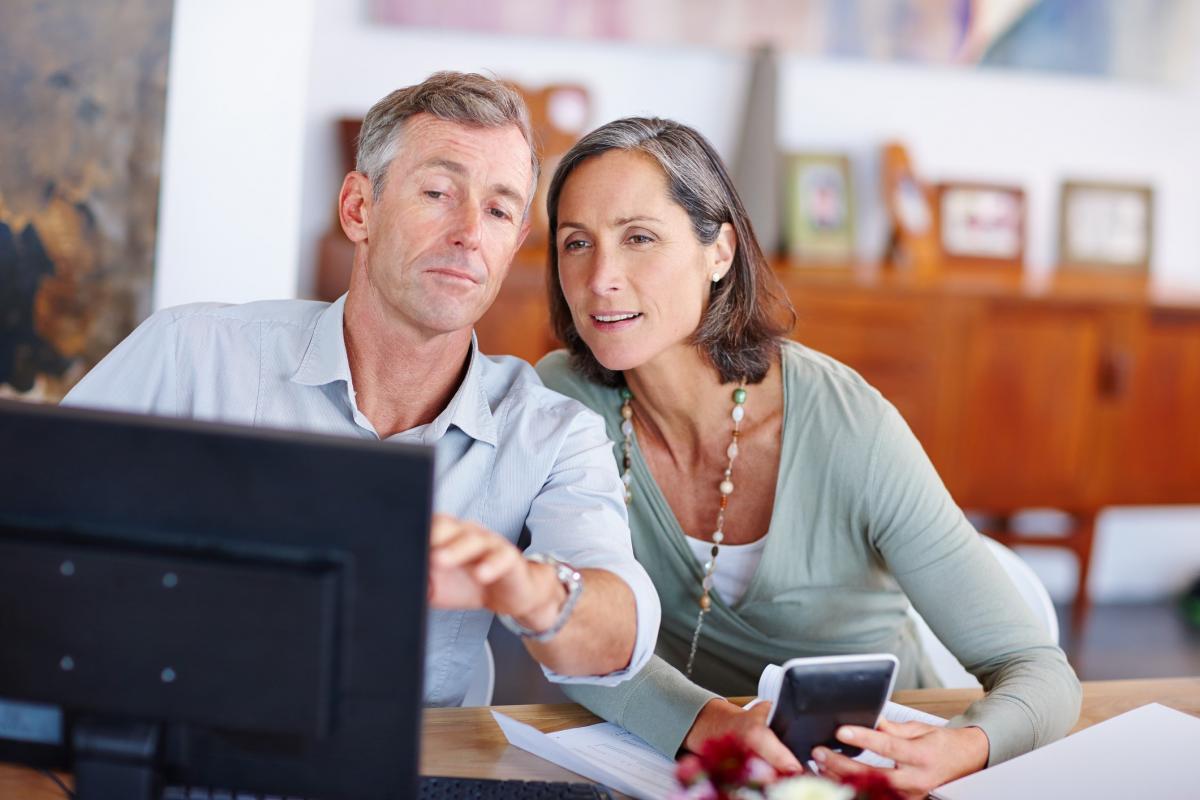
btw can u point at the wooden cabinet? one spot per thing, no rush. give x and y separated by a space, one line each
1076 394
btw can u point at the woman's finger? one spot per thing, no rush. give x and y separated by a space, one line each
837 764
902 751
905 730
763 741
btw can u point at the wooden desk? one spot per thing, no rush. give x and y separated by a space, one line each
466 741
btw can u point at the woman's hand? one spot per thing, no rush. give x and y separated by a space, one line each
719 717
926 756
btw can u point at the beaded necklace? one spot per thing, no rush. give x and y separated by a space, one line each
725 487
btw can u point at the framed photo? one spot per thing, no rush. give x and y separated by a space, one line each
981 224
912 239
1106 226
819 209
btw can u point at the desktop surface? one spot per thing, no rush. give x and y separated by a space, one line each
466 741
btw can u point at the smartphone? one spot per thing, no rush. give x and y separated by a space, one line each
818 695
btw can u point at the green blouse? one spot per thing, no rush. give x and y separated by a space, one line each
862 526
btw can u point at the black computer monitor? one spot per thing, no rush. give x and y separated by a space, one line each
208 605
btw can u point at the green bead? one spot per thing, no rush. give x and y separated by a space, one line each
626 394
739 396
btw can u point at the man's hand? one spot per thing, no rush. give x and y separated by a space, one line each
472 567
719 717
926 756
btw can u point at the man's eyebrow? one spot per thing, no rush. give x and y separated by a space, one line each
446 164
502 189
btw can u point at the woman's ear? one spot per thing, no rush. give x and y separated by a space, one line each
722 250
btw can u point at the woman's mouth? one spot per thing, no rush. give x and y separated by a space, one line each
615 320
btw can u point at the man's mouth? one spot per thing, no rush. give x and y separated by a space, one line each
455 273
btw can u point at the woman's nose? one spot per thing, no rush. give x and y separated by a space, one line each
604 275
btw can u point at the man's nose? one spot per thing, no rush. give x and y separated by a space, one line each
465 231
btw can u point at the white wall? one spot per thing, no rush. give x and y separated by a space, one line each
229 206
1022 128
251 172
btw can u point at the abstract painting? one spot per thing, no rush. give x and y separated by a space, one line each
82 96
1129 39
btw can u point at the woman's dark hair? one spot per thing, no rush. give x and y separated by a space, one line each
748 311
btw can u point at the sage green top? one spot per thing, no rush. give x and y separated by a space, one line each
862 525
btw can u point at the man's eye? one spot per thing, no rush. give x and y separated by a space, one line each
499 213
434 194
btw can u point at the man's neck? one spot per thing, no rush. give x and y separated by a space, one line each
402 377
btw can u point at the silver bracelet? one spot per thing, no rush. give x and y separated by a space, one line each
571 580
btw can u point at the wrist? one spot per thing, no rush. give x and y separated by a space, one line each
530 623
542 613
708 721
979 746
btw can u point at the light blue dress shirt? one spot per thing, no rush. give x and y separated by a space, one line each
510 453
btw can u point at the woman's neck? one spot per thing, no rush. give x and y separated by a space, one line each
680 401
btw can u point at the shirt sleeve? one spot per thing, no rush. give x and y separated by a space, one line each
1032 694
579 517
659 704
139 375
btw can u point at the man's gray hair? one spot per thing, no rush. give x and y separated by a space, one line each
463 97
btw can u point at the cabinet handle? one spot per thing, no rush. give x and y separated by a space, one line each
1113 373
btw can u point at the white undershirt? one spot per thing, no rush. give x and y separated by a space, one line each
735 565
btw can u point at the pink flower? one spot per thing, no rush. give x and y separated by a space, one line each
760 773
689 770
872 785
726 760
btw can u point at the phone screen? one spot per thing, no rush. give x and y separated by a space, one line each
815 699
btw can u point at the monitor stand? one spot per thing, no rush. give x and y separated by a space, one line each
116 758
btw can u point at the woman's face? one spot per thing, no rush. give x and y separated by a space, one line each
631 268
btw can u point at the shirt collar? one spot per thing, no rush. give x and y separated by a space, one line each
325 359
469 409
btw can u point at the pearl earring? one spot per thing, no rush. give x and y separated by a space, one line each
716 276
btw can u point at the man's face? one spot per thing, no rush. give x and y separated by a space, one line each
443 232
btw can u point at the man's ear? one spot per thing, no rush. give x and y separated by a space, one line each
354 206
526 226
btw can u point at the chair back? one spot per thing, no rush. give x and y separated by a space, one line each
951 673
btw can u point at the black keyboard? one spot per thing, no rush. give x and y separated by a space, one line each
476 789
439 789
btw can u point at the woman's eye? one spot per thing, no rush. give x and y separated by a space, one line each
575 244
639 238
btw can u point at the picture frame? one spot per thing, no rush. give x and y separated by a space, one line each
912 235
1106 226
819 209
980 224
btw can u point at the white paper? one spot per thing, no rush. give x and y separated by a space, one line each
604 753
1149 752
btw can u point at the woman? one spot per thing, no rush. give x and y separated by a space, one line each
780 504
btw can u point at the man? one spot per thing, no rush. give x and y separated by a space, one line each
437 207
